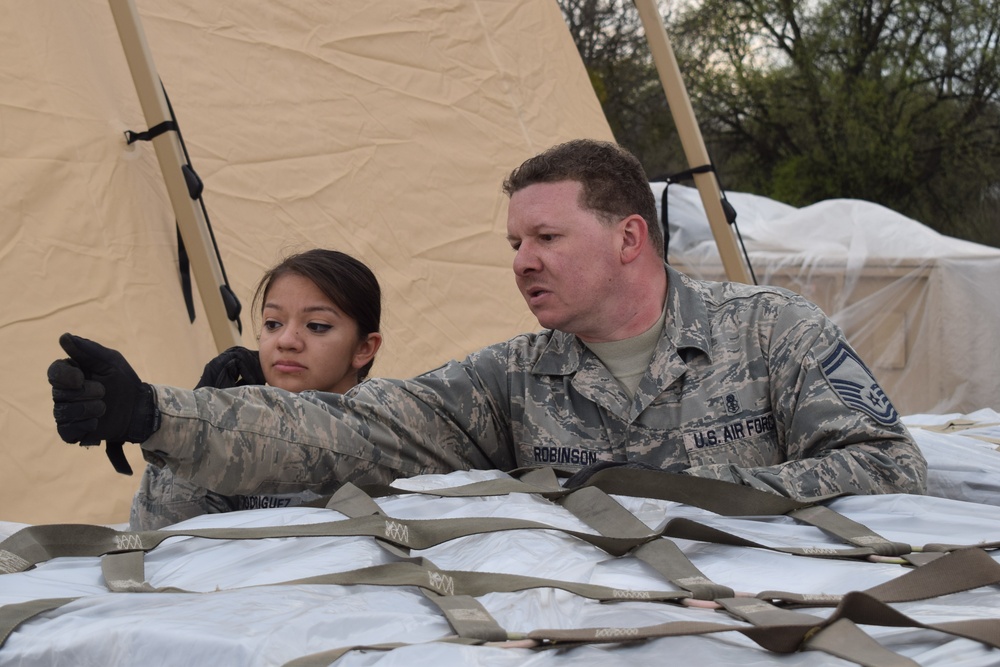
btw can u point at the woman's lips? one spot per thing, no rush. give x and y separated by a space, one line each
284 366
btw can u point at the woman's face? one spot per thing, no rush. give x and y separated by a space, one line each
307 342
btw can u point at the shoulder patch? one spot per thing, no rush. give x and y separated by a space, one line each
851 380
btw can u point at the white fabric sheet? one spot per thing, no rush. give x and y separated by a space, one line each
238 616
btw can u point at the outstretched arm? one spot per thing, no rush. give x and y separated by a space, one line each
266 440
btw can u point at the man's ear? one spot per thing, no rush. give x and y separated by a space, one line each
366 350
634 237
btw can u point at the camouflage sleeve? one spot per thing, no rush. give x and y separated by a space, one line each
265 440
164 498
840 432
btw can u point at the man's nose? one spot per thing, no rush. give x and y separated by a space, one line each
525 261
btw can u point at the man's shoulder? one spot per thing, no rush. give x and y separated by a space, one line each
721 294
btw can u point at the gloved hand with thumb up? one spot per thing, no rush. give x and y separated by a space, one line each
97 396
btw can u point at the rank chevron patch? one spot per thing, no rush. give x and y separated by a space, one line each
855 384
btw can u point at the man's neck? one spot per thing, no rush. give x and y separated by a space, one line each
641 304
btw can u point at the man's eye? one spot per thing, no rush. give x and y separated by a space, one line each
318 327
546 237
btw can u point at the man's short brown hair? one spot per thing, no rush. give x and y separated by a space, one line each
614 183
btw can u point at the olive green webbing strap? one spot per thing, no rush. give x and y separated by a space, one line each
845 640
773 628
946 575
723 498
714 495
454 582
601 512
466 615
417 572
727 499
35 544
123 572
842 639
13 615
462 582
720 497
870 607
779 629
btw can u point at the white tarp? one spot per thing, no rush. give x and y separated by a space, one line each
922 309
237 617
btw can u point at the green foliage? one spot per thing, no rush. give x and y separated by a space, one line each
892 101
611 43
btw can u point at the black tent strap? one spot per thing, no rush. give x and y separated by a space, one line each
184 266
195 188
727 208
153 132
689 174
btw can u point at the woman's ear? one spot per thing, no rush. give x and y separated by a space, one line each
366 350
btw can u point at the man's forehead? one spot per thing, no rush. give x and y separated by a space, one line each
565 187
545 201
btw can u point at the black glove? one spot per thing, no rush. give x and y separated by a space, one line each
235 367
97 396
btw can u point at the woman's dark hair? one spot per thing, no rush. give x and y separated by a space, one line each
347 282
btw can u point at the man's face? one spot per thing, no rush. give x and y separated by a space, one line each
567 262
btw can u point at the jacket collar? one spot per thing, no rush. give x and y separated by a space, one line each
686 326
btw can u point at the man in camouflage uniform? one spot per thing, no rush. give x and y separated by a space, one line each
638 363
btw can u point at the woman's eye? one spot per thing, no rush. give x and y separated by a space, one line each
318 327
272 325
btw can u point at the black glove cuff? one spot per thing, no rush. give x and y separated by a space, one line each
145 417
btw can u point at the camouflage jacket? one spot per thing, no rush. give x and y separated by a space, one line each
752 385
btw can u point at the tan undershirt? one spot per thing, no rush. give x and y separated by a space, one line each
628 359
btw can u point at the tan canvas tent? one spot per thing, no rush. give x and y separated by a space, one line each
381 129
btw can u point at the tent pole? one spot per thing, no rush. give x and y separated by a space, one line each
691 139
190 217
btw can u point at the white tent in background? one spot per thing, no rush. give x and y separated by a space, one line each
381 129
921 308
